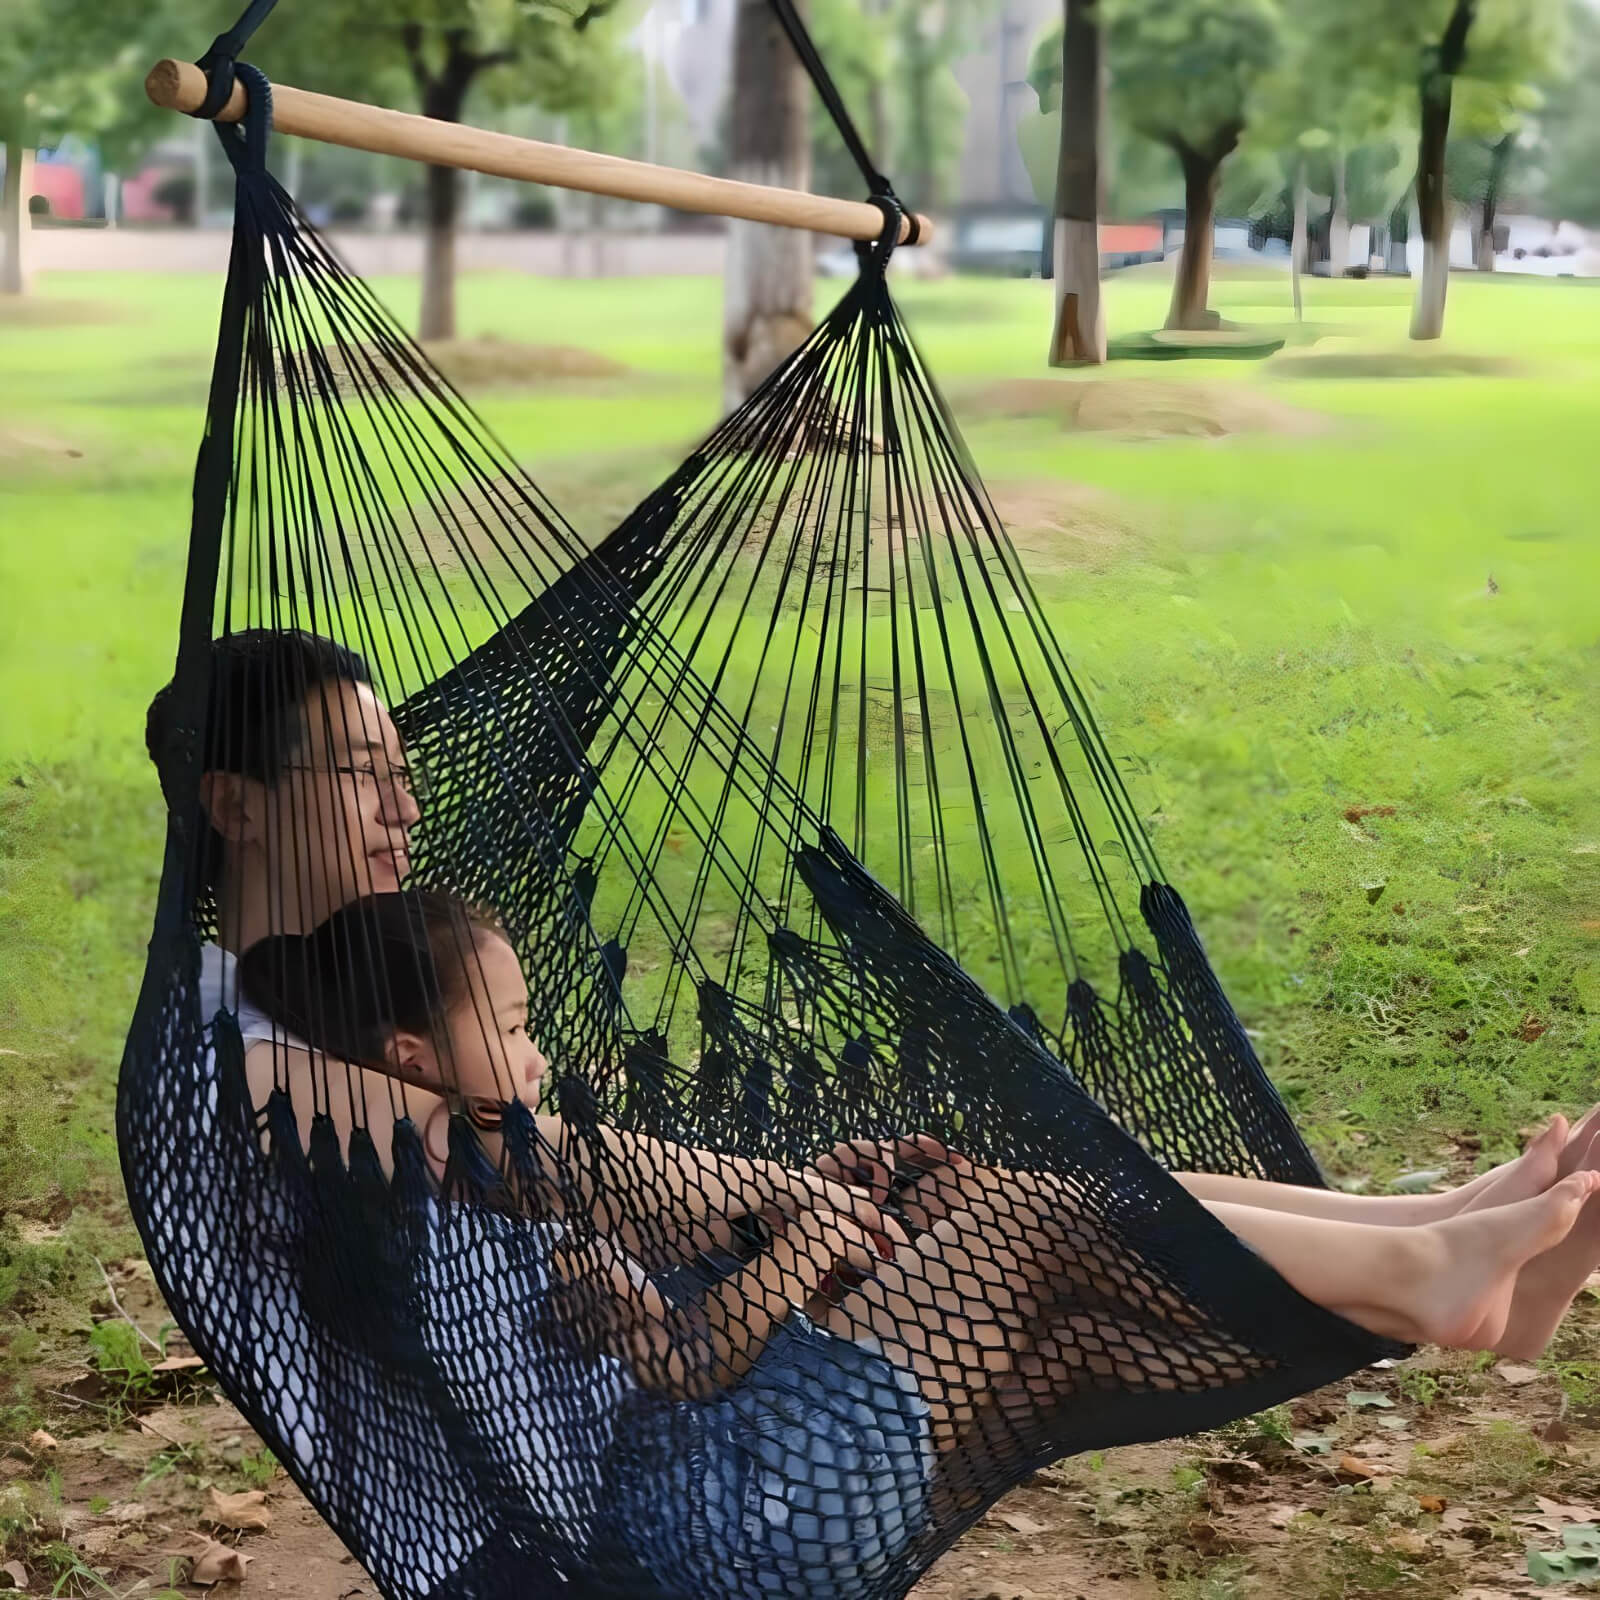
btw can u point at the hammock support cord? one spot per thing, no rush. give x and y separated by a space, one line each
794 817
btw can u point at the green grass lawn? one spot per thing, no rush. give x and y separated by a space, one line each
1387 602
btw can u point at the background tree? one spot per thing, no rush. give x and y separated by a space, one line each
1491 48
766 305
1079 331
1443 56
1136 176
894 63
1566 128
1186 76
1320 130
562 55
67 69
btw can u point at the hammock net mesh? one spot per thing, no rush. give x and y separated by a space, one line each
874 1033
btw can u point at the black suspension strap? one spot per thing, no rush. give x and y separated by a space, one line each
218 62
828 91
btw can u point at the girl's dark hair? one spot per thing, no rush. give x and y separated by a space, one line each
383 964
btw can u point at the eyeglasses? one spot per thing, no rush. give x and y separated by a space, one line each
407 777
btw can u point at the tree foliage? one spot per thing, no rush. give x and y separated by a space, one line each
894 63
563 55
1140 176
1189 75
79 69
1562 157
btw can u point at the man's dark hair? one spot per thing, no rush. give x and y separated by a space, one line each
259 681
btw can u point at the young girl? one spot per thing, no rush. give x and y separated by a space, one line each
423 987
838 1362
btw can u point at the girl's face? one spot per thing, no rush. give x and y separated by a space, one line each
491 1054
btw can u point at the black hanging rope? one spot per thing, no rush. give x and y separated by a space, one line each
219 61
828 91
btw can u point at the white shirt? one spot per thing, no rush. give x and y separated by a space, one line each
219 991
487 1280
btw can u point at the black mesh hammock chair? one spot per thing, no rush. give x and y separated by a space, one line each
788 804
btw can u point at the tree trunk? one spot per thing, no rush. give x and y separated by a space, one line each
14 219
1498 158
1079 335
1297 238
1436 86
443 191
444 94
1339 221
1433 214
766 307
1400 237
1192 286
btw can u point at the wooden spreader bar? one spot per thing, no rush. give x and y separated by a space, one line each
181 86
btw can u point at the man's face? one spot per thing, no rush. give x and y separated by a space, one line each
336 823
341 815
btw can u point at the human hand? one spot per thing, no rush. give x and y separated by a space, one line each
881 1166
820 1252
810 1189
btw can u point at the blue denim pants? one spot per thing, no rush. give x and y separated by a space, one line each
807 1479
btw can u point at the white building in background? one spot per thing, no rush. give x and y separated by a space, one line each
994 78
693 41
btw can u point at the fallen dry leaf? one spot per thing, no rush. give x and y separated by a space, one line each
1354 1467
1408 1542
1567 1511
1516 1376
1433 1504
1457 1518
215 1563
100 1541
178 1364
17 1573
246 1512
1017 1522
40 1442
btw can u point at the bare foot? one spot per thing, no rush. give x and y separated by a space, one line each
1531 1173
1546 1284
1580 1143
1459 1274
1458 1199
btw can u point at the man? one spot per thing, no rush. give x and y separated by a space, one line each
308 803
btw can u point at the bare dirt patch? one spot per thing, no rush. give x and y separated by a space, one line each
1395 364
30 446
45 311
1056 525
1145 408
488 361
469 364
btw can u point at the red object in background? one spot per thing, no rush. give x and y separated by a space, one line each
61 185
138 196
1129 238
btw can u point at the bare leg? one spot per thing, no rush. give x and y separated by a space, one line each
1447 1283
1530 1174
